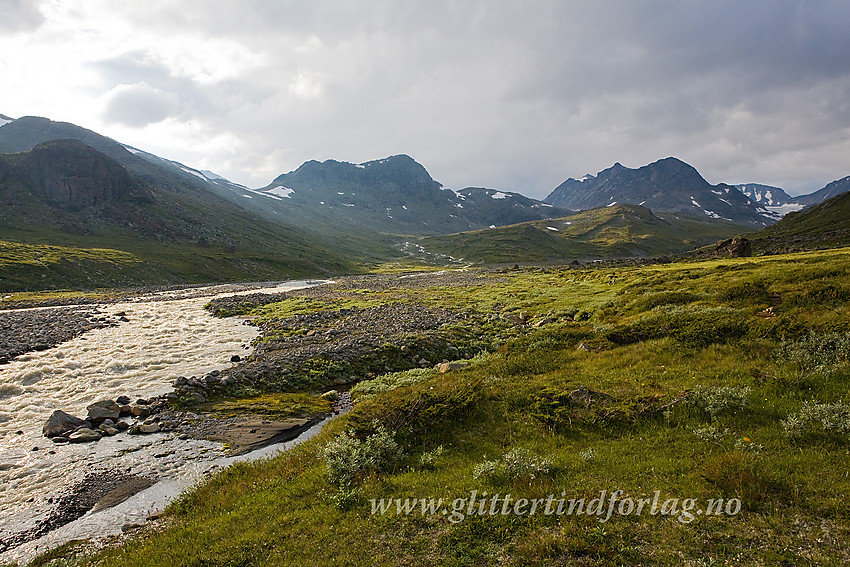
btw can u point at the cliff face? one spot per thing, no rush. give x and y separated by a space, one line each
67 172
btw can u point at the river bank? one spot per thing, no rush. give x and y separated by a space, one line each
181 429
133 348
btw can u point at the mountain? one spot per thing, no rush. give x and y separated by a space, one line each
618 231
831 190
26 133
823 225
669 185
777 202
394 195
765 195
65 192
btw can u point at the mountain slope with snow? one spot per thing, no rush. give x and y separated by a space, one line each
669 185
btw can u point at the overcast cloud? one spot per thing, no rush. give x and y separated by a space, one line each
512 95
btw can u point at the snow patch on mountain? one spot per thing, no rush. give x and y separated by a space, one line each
780 211
499 195
212 176
197 174
281 191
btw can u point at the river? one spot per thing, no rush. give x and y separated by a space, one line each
167 336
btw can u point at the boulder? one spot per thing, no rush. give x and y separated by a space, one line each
106 404
444 367
738 247
60 423
83 435
98 414
123 400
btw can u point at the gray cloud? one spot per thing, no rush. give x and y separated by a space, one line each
139 105
19 16
515 95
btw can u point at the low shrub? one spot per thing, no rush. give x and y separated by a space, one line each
420 408
517 464
715 400
348 458
814 417
429 459
816 352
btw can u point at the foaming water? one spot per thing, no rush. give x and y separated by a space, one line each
136 509
164 338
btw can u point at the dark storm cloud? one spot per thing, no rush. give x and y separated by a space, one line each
19 16
517 95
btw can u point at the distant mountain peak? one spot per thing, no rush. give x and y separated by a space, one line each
395 194
668 184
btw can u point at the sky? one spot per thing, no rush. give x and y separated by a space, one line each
514 95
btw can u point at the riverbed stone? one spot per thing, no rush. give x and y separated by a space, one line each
123 400
140 411
106 404
108 430
83 435
60 423
98 414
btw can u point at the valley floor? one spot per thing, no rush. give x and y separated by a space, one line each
716 393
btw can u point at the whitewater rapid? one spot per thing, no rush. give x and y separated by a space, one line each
164 338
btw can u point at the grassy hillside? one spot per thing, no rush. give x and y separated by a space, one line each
608 232
682 383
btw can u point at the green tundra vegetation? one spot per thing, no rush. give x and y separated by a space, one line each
723 379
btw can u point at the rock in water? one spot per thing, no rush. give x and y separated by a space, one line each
60 423
83 436
106 404
98 414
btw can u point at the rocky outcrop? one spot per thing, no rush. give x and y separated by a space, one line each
103 410
68 171
104 420
738 247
